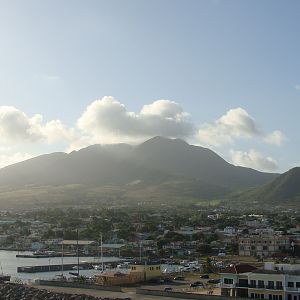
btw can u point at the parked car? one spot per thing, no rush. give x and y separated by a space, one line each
204 276
197 284
215 281
168 289
179 278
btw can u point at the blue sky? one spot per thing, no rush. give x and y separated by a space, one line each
228 72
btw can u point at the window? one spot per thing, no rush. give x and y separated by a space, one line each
252 295
228 281
290 284
260 284
279 285
280 297
243 282
252 283
270 297
298 284
262 296
265 247
270 285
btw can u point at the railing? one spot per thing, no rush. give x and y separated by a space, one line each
227 285
267 287
292 289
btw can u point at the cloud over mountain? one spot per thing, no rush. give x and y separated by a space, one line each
108 118
253 159
235 124
108 121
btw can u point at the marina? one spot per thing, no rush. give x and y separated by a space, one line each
51 267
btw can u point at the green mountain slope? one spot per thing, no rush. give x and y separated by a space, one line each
284 190
157 169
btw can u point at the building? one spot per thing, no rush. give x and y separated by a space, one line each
273 282
263 245
147 269
137 272
234 280
229 230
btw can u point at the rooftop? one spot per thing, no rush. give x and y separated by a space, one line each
239 268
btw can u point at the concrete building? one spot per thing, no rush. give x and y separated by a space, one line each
137 272
148 269
273 282
263 245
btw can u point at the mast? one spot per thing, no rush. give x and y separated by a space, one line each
77 253
62 258
101 251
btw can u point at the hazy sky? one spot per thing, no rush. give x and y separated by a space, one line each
221 74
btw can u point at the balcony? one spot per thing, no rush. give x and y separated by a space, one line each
292 289
266 287
275 288
227 286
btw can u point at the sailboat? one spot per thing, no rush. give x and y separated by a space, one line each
2 276
101 266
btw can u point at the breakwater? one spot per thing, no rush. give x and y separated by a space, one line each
12 291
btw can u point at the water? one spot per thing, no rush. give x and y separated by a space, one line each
9 263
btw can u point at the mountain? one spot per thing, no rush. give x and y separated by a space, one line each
283 190
178 157
157 169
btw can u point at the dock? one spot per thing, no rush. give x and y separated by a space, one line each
46 255
54 268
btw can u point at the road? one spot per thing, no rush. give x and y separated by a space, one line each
98 293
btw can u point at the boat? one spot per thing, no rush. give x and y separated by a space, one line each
77 268
99 267
4 278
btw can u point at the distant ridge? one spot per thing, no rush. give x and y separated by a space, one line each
158 168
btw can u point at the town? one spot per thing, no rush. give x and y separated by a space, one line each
217 250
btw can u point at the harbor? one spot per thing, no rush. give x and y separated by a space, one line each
51 267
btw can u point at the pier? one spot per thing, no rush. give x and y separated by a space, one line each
54 268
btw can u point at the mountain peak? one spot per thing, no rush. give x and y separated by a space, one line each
161 141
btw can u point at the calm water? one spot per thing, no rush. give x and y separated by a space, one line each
9 263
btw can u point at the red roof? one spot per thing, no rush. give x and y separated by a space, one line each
240 268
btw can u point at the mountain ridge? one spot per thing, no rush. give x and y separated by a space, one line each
159 166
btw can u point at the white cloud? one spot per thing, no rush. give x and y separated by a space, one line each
108 120
16 126
275 138
253 159
235 124
297 87
9 159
